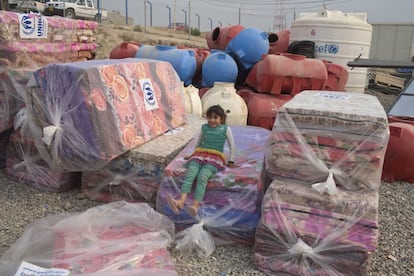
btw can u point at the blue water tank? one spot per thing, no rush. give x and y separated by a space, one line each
182 60
218 67
249 46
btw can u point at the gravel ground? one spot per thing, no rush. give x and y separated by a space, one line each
22 204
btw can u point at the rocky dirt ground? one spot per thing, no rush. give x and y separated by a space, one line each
109 35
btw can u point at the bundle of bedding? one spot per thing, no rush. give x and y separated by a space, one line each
118 238
304 232
321 135
25 165
12 93
230 209
88 113
34 40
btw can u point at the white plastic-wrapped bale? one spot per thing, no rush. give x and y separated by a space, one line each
329 137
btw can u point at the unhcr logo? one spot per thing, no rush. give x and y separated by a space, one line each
32 26
149 93
27 24
150 99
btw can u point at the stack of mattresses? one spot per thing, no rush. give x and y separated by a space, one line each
87 113
320 213
24 165
12 93
302 232
321 134
114 239
136 175
33 40
230 209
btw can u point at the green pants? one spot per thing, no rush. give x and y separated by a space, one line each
203 173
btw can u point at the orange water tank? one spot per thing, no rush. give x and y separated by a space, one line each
263 108
399 157
287 73
124 50
337 76
246 93
221 36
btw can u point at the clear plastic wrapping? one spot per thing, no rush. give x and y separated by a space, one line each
12 93
136 175
320 213
33 40
328 140
230 209
93 111
24 163
302 232
114 239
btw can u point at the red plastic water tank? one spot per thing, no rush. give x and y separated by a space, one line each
263 108
399 157
221 36
246 93
124 50
337 76
288 73
203 90
279 42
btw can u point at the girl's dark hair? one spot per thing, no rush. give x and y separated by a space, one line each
218 110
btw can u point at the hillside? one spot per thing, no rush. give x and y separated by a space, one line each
109 36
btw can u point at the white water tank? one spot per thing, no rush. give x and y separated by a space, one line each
339 37
224 94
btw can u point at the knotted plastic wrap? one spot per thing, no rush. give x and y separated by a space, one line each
90 112
114 239
230 209
303 232
329 140
24 163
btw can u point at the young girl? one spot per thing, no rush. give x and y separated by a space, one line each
206 160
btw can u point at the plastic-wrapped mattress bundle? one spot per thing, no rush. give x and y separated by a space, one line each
4 140
320 213
230 209
93 111
12 93
321 135
24 163
136 175
303 232
33 40
114 239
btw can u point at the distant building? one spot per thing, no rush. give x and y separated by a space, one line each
392 41
115 17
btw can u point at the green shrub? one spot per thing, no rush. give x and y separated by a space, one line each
137 28
195 31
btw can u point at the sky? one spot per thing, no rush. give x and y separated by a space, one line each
267 15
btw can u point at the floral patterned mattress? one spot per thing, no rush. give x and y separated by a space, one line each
87 113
